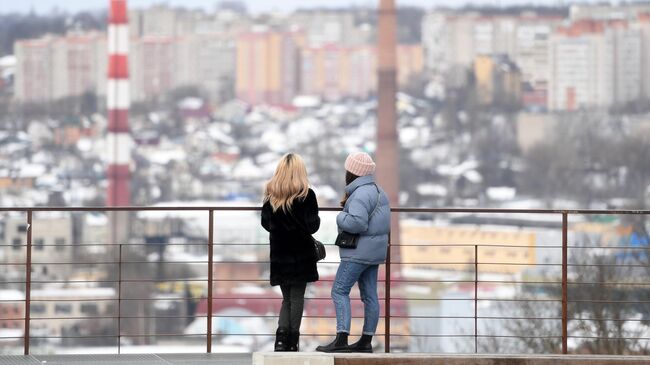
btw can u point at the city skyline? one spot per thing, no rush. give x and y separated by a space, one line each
46 6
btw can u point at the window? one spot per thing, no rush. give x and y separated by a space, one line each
16 243
60 244
39 243
89 308
22 228
63 308
38 308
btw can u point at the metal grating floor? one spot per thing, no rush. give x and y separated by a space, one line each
130 359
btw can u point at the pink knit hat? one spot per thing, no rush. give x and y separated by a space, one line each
360 164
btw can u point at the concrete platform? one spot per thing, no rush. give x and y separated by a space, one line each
130 359
309 358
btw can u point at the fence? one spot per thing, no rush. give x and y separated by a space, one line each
389 280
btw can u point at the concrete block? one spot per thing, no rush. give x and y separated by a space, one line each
292 358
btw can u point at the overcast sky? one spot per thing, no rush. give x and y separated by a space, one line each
45 6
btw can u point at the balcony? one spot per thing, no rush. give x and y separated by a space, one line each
190 279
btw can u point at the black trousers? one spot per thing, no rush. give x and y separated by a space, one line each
293 301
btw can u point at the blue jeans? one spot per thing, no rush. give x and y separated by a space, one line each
348 274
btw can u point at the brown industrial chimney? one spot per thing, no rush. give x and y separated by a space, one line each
387 153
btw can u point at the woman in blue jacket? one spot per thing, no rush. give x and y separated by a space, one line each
366 212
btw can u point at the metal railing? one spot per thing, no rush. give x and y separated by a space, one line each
389 281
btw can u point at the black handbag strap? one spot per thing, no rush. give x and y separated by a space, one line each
376 205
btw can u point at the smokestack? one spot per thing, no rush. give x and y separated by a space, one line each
387 154
119 138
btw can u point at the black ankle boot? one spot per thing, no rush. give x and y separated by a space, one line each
281 340
363 345
294 340
340 344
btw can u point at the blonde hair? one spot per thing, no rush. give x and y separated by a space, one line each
288 183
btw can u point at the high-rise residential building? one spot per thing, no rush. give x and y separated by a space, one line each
410 62
323 27
629 11
531 51
267 67
594 64
453 40
334 72
164 21
434 40
51 68
154 67
643 24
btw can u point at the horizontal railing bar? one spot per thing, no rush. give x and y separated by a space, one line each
118 317
518 282
472 245
332 317
609 319
608 265
612 338
110 299
606 283
518 300
123 262
523 318
81 245
314 334
611 247
321 263
324 209
306 298
606 301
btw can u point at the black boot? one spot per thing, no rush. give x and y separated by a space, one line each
340 344
363 345
281 340
294 341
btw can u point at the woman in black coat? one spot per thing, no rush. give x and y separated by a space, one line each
290 214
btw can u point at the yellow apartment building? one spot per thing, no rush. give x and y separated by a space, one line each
452 248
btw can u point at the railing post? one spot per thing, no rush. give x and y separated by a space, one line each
210 277
565 331
119 300
387 300
476 299
28 283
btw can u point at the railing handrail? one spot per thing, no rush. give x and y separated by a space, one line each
327 209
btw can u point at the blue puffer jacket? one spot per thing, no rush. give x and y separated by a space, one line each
355 218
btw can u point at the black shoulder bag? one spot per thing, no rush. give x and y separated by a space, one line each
319 247
351 240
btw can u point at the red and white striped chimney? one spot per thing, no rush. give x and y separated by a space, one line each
119 137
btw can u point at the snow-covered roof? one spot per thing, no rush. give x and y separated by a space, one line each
75 292
501 193
9 294
8 61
